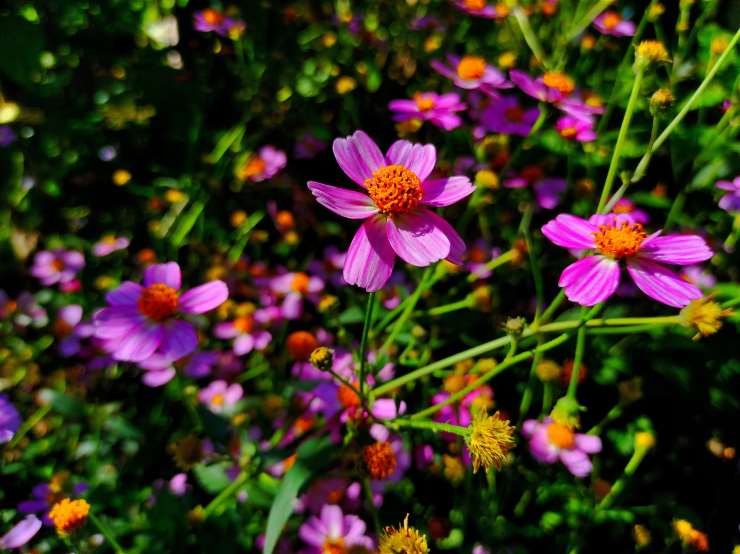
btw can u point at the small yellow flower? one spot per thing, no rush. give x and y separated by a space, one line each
329 40
454 470
656 10
404 540
174 196
507 60
322 358
487 179
345 84
121 177
661 100
489 440
238 217
651 51
644 440
69 515
641 535
704 316
719 45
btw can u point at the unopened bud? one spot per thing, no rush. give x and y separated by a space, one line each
661 100
322 358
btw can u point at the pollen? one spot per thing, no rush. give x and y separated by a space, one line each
471 67
69 515
333 546
559 81
395 189
561 435
619 240
489 441
424 102
402 540
380 460
158 302
611 20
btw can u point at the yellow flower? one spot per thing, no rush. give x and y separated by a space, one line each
345 84
404 540
487 179
454 470
69 515
704 315
548 370
121 177
322 358
641 535
651 51
644 440
489 440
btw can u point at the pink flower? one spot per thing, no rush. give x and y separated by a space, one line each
508 117
481 8
332 531
396 219
57 266
262 165
219 396
438 109
576 128
550 441
212 20
140 321
594 278
21 533
109 244
245 332
472 73
730 202
627 209
611 23
558 89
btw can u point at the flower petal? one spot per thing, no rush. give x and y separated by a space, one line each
139 343
443 192
419 158
204 298
369 261
180 339
590 280
243 344
347 203
111 323
166 274
158 378
588 443
417 238
125 295
662 284
21 532
576 461
676 249
358 156
570 231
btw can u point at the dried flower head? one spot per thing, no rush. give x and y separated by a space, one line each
704 316
380 460
489 440
649 52
661 100
69 515
403 540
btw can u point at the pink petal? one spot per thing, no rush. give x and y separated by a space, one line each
419 158
676 249
443 192
370 258
588 443
21 532
204 298
180 339
590 280
347 203
417 238
111 323
126 294
358 156
139 343
661 284
243 344
570 231
166 274
457 245
158 378
576 461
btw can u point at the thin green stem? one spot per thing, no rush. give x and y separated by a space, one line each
577 361
613 414
106 532
463 304
552 308
578 27
363 343
504 258
526 401
225 494
401 321
429 425
529 35
637 456
28 424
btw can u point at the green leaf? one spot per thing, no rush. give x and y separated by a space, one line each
212 477
63 404
186 223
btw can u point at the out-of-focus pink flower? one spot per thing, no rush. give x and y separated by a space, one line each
245 332
332 531
21 533
219 396
508 117
70 329
580 129
438 109
472 73
10 419
212 20
730 202
482 8
550 441
109 244
58 266
611 23
262 165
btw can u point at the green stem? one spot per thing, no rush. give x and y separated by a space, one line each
613 414
614 164
398 325
578 27
577 360
504 258
37 416
552 308
363 343
225 494
429 425
528 392
529 36
629 470
106 532
367 488
463 304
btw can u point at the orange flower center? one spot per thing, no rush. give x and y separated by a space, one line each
380 460
109 239
611 20
212 17
347 397
158 302
561 435
255 166
57 264
62 328
69 515
502 10
300 283
514 114
245 323
424 102
333 546
218 400
619 241
285 219
471 67
394 189
568 132
559 81
475 5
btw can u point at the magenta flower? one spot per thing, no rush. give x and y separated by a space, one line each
481 8
140 321
472 73
508 117
262 165
10 419
245 333
212 20
57 266
21 533
611 23
547 190
438 109
550 441
70 329
580 129
730 202
332 531
552 87
594 278
396 221
109 244
219 396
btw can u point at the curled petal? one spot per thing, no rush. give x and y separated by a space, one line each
662 284
576 461
358 156
590 280
347 203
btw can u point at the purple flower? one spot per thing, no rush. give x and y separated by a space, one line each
552 87
70 329
21 533
143 320
576 128
547 190
307 146
219 396
699 276
730 202
10 419
212 20
7 136
508 117
594 278
439 109
178 485
481 8
550 441
109 244
472 73
294 286
332 531
57 266
262 165
396 219
244 331
611 23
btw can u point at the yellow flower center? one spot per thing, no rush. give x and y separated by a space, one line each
57 264
424 102
475 5
619 240
300 283
515 114
559 81
394 189
560 435
611 20
255 166
158 302
69 515
471 67
334 546
218 400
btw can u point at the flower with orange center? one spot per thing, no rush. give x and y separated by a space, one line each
69 515
255 166
559 81
395 189
284 220
619 240
475 4
515 114
471 68
218 400
334 546
561 435
244 324
212 17
568 132
611 20
347 397
424 102
300 344
380 460
300 283
158 302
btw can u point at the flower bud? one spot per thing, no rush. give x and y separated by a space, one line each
661 100
649 52
322 358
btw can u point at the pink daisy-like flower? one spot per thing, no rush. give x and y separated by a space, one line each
611 23
550 441
142 320
438 109
262 165
472 73
332 531
70 329
730 202
482 8
219 396
245 332
594 278
57 266
394 208
109 244
580 129
508 117
212 20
